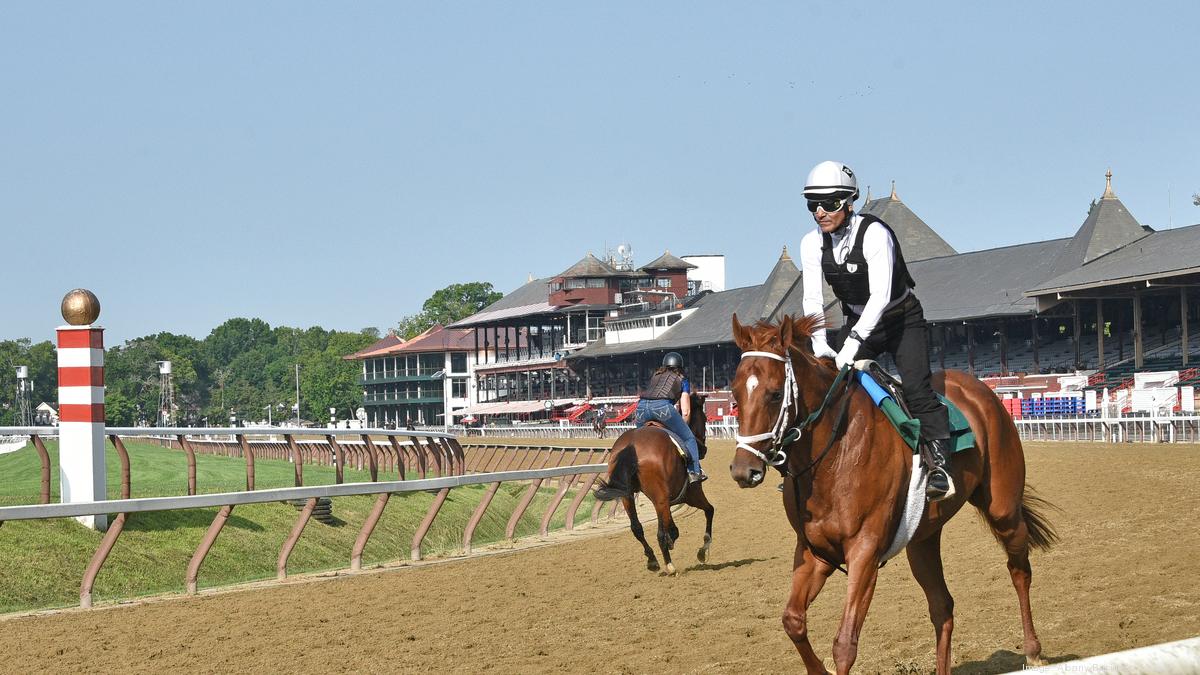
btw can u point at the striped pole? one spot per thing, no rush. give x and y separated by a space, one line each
81 418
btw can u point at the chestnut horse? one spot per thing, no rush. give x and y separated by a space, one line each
846 476
646 460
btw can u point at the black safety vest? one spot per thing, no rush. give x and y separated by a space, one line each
665 386
849 280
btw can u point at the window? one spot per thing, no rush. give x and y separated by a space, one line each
662 282
458 387
458 362
595 328
556 286
576 283
673 319
660 321
596 283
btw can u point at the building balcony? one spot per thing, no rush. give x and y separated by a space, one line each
388 379
384 400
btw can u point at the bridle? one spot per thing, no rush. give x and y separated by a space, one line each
782 434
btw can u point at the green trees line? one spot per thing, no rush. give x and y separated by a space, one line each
244 366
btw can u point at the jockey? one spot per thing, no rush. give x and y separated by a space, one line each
668 386
859 256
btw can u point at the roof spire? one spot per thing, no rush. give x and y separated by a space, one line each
784 255
894 197
1108 193
530 279
868 194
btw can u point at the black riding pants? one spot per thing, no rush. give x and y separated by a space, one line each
903 334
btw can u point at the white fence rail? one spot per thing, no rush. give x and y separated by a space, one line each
1157 429
1152 429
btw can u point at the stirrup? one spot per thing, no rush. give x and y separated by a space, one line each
697 476
933 496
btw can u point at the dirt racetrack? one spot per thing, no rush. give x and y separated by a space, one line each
1124 575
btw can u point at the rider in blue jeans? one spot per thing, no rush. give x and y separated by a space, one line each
667 386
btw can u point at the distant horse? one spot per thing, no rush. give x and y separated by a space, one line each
845 483
599 423
646 460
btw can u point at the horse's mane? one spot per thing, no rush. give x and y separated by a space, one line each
767 333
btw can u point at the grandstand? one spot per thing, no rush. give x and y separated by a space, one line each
1108 301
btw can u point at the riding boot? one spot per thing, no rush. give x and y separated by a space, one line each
940 486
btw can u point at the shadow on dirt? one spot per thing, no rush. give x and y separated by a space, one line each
1004 661
712 567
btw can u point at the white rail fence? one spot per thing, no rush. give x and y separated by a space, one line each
1151 429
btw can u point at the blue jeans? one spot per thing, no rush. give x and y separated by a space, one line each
665 413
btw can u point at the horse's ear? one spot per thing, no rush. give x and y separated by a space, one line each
786 332
741 335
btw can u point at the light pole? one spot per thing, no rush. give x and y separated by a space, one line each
268 407
297 394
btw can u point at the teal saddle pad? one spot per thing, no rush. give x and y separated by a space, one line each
909 427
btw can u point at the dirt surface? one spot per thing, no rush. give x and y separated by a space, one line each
1123 576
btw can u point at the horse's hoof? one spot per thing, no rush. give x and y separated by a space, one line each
652 565
1034 661
702 555
671 570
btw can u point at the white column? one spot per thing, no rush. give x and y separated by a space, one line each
82 475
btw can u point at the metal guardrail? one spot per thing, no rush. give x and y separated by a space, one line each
1127 429
1159 429
486 464
150 504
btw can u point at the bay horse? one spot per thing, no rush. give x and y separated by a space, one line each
646 460
845 483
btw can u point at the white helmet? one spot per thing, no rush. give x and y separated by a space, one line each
831 179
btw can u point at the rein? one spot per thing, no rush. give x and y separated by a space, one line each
783 435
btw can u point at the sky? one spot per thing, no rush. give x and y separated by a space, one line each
333 164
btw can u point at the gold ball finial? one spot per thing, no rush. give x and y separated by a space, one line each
80 307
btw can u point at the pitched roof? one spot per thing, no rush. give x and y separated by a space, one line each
1108 227
377 348
784 277
1159 254
590 266
666 261
984 283
531 298
438 338
918 241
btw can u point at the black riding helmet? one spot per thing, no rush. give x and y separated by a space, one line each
673 360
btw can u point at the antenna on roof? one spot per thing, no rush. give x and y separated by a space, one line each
624 259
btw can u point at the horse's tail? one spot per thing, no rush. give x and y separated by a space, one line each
1033 510
620 480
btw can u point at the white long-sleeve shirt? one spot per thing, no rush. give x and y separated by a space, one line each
879 251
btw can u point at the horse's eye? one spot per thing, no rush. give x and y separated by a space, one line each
777 396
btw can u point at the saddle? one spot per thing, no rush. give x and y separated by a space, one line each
672 435
888 395
679 498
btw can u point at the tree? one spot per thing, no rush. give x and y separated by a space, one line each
447 305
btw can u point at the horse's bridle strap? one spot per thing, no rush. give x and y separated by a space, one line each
781 435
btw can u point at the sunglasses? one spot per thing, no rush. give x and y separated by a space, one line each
826 205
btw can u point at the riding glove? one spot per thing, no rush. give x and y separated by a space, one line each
849 350
821 348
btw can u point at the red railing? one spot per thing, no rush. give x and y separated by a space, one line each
623 413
